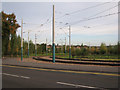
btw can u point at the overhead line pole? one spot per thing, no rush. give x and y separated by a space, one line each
53 34
28 43
62 47
22 40
65 45
35 46
46 46
69 42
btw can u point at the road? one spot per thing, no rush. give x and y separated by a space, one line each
27 77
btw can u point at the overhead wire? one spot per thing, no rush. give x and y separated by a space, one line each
82 9
95 18
101 11
104 11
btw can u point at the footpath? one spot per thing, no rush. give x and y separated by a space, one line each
75 61
41 63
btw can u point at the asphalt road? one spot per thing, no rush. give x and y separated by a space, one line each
26 77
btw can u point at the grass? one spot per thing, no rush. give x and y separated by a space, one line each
94 57
90 57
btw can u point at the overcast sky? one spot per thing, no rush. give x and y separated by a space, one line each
89 32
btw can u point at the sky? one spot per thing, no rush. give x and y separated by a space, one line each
37 18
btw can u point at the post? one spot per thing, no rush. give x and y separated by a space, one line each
89 48
46 46
35 46
28 43
53 34
69 42
22 40
61 47
65 45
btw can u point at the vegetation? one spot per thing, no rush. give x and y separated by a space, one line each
103 51
9 37
11 44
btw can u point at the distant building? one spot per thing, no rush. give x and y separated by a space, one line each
49 46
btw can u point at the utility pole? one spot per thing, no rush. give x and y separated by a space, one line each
61 47
46 46
69 42
35 46
53 34
65 45
28 43
22 40
89 48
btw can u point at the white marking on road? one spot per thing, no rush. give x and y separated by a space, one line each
10 74
25 77
75 85
16 76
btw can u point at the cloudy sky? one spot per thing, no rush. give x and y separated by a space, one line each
84 18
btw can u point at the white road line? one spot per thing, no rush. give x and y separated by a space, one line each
16 76
25 77
10 74
75 85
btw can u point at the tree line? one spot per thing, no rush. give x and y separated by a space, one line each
94 50
11 42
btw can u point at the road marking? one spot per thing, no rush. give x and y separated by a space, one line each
16 76
78 72
10 74
25 77
69 84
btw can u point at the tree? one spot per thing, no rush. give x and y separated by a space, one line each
14 44
77 52
43 47
110 50
84 51
57 50
72 51
9 28
96 51
18 45
92 50
103 48
32 47
25 48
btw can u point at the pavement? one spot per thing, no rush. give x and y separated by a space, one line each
31 73
29 62
89 62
